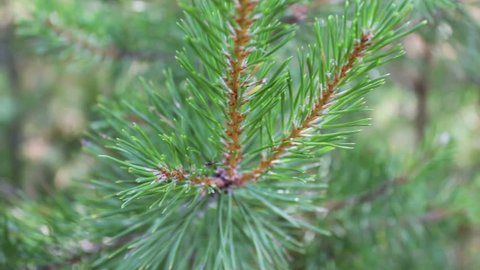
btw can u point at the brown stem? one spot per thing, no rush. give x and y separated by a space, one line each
237 66
319 107
179 175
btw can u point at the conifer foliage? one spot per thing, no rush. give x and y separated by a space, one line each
221 171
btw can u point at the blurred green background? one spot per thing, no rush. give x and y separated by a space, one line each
57 57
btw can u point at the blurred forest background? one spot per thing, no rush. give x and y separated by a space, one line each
412 181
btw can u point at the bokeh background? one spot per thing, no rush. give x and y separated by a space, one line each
58 57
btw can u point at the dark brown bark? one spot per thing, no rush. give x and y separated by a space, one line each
8 65
421 88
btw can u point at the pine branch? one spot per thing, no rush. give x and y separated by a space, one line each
237 67
232 69
425 161
430 217
320 106
111 52
368 196
95 249
438 214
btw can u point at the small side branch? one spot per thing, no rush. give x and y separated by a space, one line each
431 217
319 107
179 175
86 254
109 52
439 214
367 197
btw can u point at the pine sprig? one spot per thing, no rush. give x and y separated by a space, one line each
320 105
371 38
243 114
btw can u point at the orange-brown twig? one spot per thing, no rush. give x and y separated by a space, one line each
237 66
319 107
180 175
